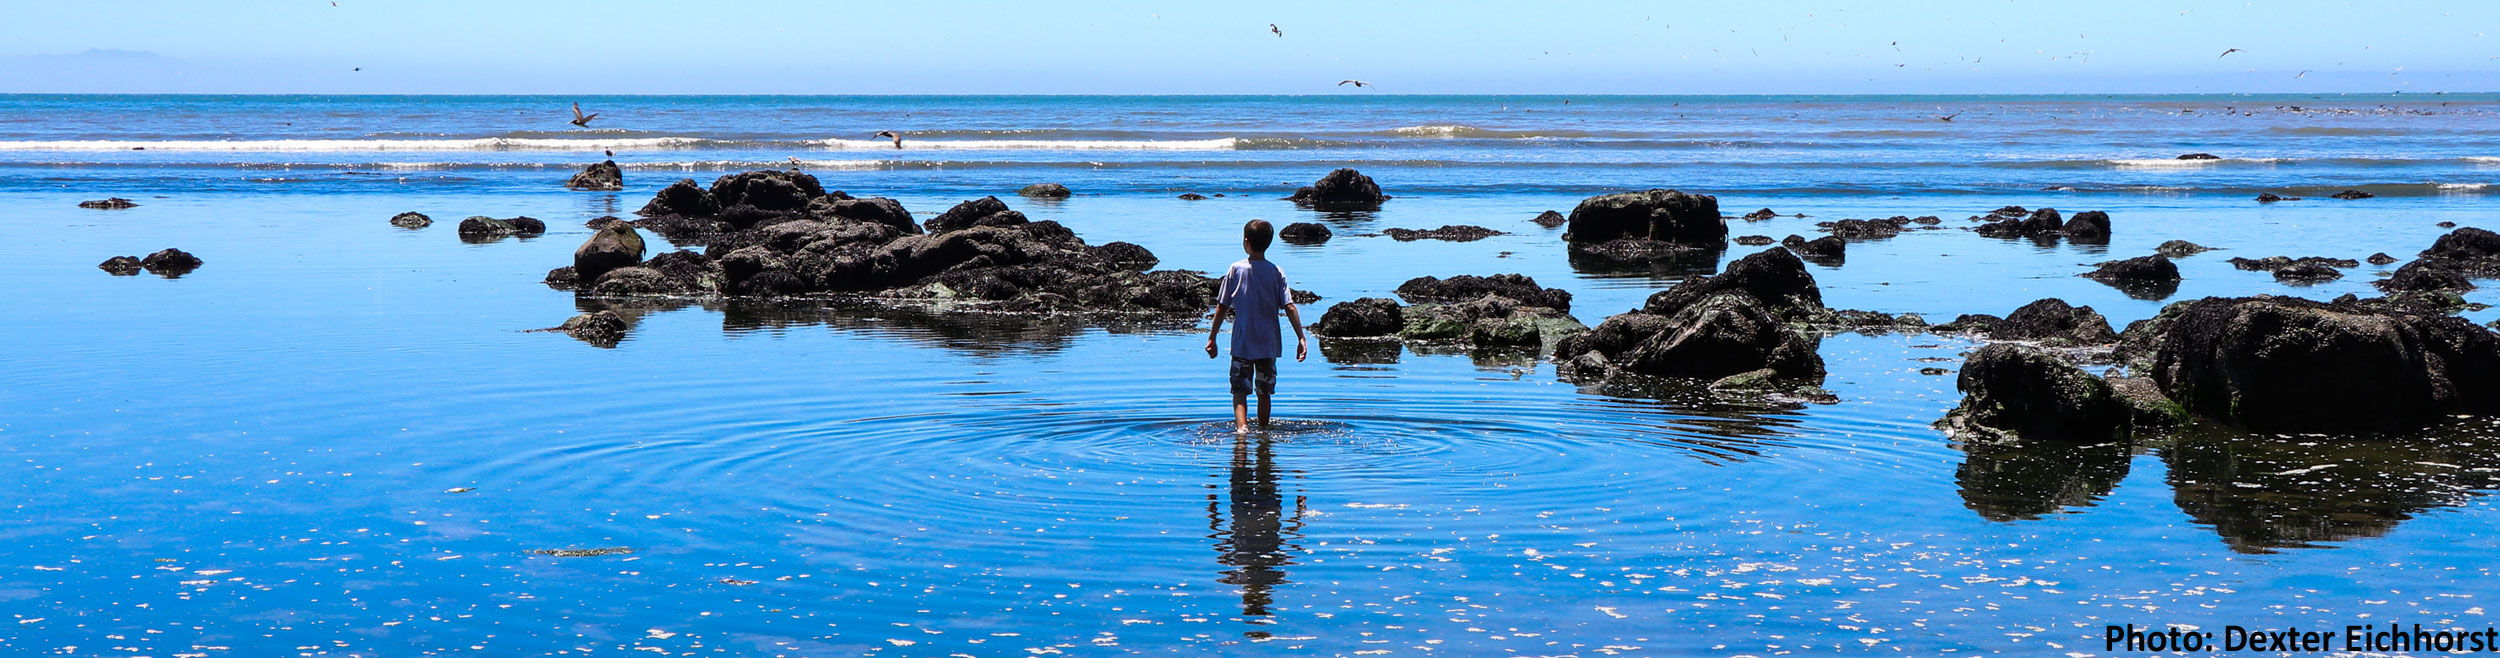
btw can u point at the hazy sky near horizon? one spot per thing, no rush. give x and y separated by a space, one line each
1123 47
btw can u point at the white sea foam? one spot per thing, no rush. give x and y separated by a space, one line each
2485 159
307 145
2174 163
909 144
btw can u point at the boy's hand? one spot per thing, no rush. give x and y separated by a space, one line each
1210 347
1301 348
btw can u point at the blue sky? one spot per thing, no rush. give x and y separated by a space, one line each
653 46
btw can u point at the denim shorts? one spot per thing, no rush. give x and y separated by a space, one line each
1250 373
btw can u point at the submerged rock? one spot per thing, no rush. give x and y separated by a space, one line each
170 263
2045 222
604 176
2181 249
2307 273
2276 263
1760 215
1468 287
2200 156
115 203
2277 364
1362 318
120 265
600 329
1867 229
1550 219
1756 240
1826 250
2381 258
1343 189
2354 194
2270 197
483 227
411 220
1305 233
2011 390
1453 233
1192 196
1045 191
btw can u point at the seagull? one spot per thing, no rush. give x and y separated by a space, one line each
897 137
611 152
1948 117
2227 53
1280 32
582 120
1358 84
2303 74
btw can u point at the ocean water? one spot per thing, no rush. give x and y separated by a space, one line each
339 438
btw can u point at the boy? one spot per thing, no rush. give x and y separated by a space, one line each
1254 290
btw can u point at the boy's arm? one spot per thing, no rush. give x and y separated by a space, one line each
1218 329
1301 343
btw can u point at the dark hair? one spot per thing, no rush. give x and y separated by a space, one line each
1258 233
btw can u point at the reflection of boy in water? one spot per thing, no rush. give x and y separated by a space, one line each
1255 290
1255 548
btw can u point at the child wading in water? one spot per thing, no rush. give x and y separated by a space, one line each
1254 290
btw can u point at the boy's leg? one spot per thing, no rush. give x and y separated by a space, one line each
1265 378
1241 411
1240 376
1263 396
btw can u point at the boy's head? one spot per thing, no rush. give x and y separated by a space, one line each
1256 235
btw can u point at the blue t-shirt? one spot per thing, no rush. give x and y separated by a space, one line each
1256 291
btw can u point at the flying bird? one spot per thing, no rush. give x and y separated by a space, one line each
1358 84
2303 74
582 120
2227 53
897 137
1948 117
1280 32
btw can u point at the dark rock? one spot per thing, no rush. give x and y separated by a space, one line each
170 263
1755 240
1872 322
1550 219
115 203
2053 321
2200 156
1760 215
1343 189
984 211
2042 222
2270 197
1305 233
2307 273
604 221
2446 225
563 278
2010 211
2278 263
2466 244
875 210
1657 215
1366 317
2275 364
2354 194
2381 258
603 177
1045 190
2089 225
1725 333
613 247
1127 256
1468 287
1867 229
411 220
120 265
603 328
1774 277
1826 250
2181 249
767 190
1453 233
2025 392
2425 275
2156 268
1192 196
681 199
481 226
639 280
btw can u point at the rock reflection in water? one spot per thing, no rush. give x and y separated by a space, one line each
1698 261
2017 480
1354 352
1253 537
972 333
2266 493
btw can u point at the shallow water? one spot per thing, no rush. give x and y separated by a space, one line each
337 438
